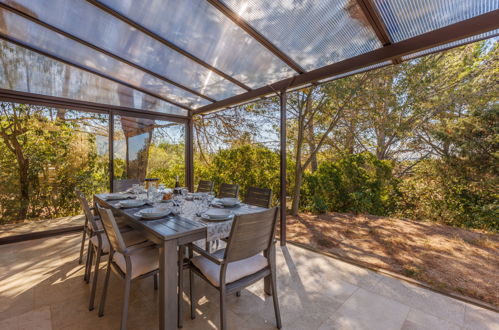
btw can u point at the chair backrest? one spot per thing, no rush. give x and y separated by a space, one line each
259 197
205 186
91 224
228 190
111 229
251 234
124 184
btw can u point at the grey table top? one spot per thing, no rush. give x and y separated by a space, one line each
186 223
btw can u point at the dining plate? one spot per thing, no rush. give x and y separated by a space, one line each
115 197
207 218
217 214
229 202
131 203
153 213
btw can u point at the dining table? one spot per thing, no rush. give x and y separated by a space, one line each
170 233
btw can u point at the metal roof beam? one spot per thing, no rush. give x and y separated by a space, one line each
7 95
167 43
90 45
470 27
256 35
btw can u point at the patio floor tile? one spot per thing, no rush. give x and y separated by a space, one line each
43 288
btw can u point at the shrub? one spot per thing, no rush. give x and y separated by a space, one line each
355 183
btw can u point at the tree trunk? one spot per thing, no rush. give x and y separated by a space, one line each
312 146
298 167
24 188
296 190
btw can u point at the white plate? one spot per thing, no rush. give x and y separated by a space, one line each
131 203
115 197
207 218
218 214
153 213
229 201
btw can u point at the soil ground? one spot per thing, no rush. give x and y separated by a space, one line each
449 258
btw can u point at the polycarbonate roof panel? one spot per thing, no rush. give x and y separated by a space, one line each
202 30
313 33
41 38
117 37
408 18
490 34
28 71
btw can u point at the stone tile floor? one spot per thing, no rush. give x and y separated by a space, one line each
41 287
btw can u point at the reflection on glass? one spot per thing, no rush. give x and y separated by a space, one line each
146 148
57 150
48 41
118 37
201 29
27 71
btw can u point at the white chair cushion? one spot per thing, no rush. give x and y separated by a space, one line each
143 261
131 237
235 270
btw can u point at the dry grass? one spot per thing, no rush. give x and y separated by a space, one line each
463 261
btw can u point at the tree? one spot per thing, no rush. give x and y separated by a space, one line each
316 111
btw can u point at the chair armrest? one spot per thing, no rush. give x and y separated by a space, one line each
98 231
205 254
134 248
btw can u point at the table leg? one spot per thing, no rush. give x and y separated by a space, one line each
267 285
168 285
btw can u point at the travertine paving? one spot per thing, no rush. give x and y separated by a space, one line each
42 287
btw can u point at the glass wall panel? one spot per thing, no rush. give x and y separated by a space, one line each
45 153
201 29
27 71
46 40
313 33
146 148
116 36
408 18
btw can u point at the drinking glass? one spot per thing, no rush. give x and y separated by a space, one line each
135 188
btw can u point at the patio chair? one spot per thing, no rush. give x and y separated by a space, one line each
241 263
259 197
205 186
128 262
87 227
99 245
228 190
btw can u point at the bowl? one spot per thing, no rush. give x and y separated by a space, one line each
229 201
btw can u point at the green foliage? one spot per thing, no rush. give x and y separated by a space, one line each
59 157
461 188
166 161
354 183
247 165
